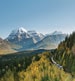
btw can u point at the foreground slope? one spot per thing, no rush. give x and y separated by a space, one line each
33 68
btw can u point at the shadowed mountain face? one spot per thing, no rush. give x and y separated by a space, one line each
50 41
56 33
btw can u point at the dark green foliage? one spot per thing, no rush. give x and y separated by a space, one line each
64 54
18 61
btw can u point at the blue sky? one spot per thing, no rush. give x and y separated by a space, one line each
44 16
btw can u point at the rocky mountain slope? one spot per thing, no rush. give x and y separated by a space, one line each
5 47
50 41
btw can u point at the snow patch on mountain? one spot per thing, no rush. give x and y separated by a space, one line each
19 31
34 33
38 36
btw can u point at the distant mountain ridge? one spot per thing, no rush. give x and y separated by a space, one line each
50 41
56 33
34 40
21 34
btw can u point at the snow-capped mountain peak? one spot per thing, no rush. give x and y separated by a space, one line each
22 34
19 33
22 30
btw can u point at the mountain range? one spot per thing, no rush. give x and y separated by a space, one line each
50 41
20 39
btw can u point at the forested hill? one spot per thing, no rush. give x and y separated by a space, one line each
65 54
69 42
36 68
